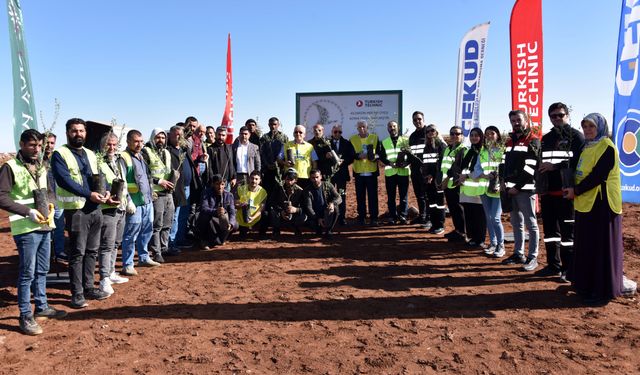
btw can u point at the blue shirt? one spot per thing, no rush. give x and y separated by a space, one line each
141 174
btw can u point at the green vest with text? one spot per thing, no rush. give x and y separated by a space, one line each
159 166
22 192
392 155
67 200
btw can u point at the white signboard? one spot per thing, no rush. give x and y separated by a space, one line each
377 108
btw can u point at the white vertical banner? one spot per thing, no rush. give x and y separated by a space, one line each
470 62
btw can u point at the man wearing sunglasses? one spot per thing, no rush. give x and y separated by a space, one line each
347 154
561 148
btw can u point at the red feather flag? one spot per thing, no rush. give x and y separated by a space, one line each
227 117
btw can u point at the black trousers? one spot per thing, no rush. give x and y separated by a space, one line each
455 209
341 186
417 181
475 222
402 185
436 205
558 223
84 237
367 186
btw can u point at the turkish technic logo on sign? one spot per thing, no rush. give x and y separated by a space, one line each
626 114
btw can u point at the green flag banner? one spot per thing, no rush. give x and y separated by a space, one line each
24 109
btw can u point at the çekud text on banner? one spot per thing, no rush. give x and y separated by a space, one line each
470 63
24 109
626 102
526 60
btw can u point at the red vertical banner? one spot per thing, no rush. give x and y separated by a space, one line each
526 60
227 117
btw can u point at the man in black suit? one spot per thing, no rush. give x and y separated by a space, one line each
347 154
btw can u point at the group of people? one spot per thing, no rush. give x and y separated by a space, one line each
188 188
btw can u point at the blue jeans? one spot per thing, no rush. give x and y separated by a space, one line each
34 249
178 232
58 233
137 233
523 213
493 212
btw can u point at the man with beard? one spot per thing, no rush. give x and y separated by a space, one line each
246 156
561 148
416 142
73 168
344 149
181 164
210 136
158 159
19 177
322 148
321 202
396 174
520 162
113 215
270 154
217 217
254 133
221 158
139 226
287 205
58 232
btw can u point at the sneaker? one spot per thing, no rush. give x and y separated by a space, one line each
563 278
436 230
129 271
427 225
148 263
29 326
474 244
105 286
78 301
96 294
117 279
531 264
499 253
455 237
391 222
490 250
402 220
186 245
63 256
514 259
50 313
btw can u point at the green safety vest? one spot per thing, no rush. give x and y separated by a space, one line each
22 192
489 165
254 199
392 155
159 167
301 155
366 165
588 159
471 187
448 159
132 185
67 200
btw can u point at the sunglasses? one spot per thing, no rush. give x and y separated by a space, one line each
454 134
337 132
558 115
431 130
297 132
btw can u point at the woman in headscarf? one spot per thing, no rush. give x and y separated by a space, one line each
597 267
471 190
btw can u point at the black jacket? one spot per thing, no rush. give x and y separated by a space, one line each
330 195
347 153
561 147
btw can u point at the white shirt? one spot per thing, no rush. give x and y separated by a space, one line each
242 158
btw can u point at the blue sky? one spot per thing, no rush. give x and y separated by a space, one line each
153 65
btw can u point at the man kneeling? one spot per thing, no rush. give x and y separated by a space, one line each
321 200
286 208
217 217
